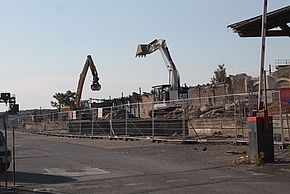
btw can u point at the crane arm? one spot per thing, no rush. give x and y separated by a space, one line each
95 85
160 44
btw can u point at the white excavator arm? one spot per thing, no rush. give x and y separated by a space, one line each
160 44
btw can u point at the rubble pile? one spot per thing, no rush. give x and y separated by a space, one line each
119 114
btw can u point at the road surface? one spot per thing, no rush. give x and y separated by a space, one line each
62 165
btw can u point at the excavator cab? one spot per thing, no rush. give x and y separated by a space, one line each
161 92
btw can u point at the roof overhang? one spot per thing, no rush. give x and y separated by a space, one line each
277 24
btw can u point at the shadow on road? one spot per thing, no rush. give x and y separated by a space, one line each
27 177
20 191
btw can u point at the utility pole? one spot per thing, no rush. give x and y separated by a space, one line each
262 60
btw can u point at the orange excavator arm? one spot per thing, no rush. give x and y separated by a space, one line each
95 85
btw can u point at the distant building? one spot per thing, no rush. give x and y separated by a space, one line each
216 95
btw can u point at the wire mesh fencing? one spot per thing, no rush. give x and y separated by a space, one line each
213 117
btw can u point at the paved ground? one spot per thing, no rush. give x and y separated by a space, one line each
61 165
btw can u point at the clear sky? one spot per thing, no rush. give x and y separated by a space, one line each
44 44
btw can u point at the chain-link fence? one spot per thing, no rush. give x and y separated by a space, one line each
214 117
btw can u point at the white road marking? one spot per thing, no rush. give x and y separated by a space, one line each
75 172
42 190
176 180
132 184
221 177
257 174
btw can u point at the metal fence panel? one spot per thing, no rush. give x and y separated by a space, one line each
212 117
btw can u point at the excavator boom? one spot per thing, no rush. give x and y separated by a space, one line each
160 44
95 85
167 93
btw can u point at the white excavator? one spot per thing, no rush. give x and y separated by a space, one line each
166 96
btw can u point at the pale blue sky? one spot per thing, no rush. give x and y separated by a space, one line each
44 43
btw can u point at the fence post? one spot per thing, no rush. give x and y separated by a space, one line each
126 121
235 115
152 116
183 119
80 123
250 101
13 155
111 121
241 116
287 122
93 118
281 121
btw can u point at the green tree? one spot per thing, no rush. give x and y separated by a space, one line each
220 74
64 99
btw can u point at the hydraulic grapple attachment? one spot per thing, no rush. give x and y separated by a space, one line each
96 86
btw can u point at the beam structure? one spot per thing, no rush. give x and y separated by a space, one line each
277 24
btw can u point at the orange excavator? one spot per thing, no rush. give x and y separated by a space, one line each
95 85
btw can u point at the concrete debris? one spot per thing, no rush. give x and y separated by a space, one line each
218 112
229 106
243 159
195 112
173 114
204 108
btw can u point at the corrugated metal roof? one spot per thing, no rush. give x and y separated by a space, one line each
276 24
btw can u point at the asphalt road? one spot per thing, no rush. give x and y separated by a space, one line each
61 165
